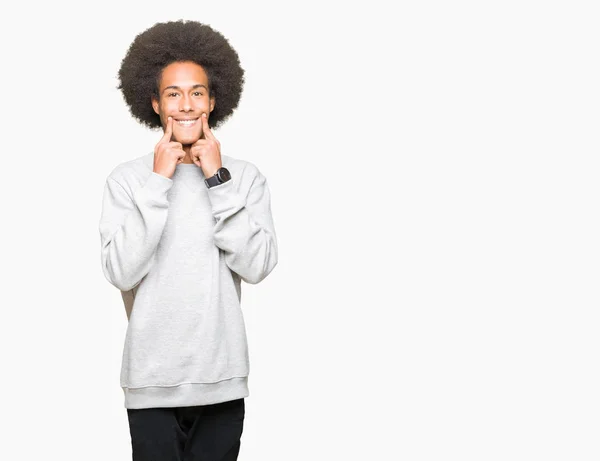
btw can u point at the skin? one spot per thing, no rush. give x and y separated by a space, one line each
189 99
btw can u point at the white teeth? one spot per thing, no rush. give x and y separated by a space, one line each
186 122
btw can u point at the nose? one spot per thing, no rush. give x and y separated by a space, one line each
186 103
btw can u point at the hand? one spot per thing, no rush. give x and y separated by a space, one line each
206 152
167 154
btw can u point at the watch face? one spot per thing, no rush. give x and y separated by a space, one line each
224 174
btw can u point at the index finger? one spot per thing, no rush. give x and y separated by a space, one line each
168 131
205 128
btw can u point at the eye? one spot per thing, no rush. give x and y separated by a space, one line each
172 94
198 93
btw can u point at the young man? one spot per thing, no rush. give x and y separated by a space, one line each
180 228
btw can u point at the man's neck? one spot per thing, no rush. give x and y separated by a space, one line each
187 148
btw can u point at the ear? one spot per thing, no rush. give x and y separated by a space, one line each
154 104
212 103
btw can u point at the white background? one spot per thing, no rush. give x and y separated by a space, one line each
434 180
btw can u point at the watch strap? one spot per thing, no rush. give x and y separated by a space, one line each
217 178
212 181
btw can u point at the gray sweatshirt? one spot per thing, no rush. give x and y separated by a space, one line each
178 251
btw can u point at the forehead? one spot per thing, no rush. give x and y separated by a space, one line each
183 74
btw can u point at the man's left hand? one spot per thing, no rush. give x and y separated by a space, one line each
206 152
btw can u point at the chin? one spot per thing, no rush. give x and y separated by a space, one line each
187 140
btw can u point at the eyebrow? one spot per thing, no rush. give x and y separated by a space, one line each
175 87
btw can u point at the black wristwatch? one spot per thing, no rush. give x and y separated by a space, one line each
222 175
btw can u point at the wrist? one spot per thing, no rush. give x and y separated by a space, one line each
222 175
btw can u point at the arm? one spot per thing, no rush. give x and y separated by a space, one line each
244 227
130 229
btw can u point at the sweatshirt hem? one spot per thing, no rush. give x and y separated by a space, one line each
188 394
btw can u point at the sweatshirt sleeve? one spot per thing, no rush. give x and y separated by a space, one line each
130 228
244 227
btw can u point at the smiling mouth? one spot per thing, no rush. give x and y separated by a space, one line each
187 123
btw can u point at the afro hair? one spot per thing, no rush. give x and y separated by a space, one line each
176 41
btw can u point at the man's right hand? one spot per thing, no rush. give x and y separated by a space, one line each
167 154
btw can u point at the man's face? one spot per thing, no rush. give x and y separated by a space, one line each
184 96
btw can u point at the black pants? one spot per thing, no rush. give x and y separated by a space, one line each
198 433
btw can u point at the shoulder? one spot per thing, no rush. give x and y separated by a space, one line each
243 170
132 173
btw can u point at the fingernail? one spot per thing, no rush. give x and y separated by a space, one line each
204 114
